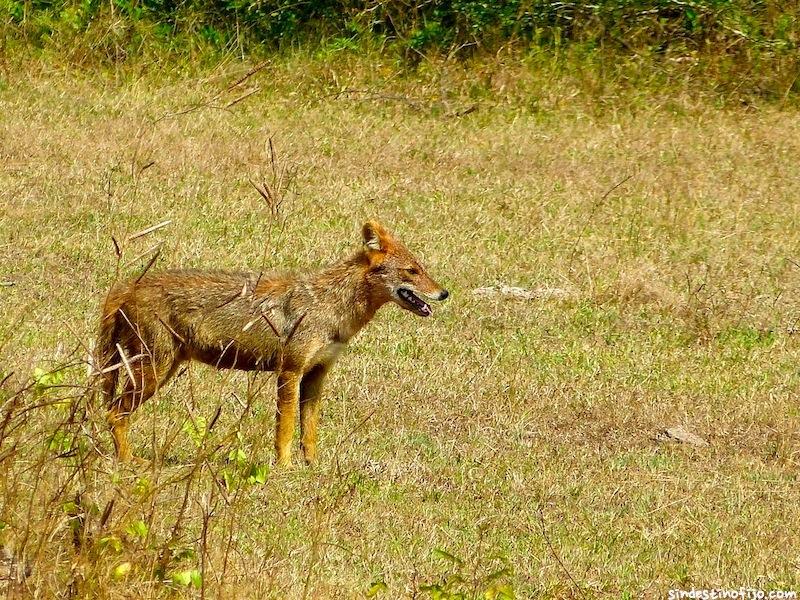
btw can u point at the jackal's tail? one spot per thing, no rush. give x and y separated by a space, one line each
105 350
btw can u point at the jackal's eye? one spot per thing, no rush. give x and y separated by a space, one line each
412 271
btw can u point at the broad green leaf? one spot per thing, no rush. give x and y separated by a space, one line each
197 578
137 529
110 542
121 570
183 578
376 588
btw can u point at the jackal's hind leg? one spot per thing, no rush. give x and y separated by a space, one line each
310 404
147 378
288 393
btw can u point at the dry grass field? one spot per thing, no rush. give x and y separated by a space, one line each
505 447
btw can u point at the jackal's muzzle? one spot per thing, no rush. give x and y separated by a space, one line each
412 301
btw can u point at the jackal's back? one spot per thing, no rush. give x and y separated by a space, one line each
219 317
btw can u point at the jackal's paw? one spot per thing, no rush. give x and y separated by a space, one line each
309 455
283 462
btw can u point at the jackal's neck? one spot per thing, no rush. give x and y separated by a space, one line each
345 289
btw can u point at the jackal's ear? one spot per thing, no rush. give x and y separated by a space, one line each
375 236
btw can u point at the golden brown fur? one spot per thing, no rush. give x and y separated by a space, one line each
293 325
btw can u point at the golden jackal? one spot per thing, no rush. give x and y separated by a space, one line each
294 325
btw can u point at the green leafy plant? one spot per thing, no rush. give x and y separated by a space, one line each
142 487
459 582
121 570
240 470
138 529
45 380
111 543
60 442
196 429
186 578
376 587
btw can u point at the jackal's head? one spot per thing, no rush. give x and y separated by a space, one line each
397 273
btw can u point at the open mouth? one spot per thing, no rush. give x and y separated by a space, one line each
414 303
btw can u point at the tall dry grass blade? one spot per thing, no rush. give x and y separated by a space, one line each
127 366
149 230
149 264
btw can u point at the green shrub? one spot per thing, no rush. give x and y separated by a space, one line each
656 26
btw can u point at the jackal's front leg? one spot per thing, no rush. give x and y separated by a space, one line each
310 395
288 399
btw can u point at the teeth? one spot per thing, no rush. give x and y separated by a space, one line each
414 301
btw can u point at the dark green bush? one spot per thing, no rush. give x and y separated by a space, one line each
750 40
652 25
